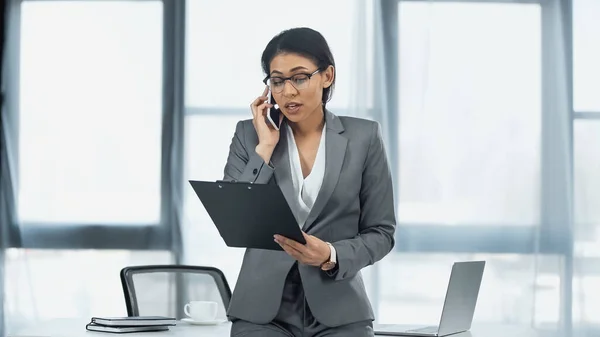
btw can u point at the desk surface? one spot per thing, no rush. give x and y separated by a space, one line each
76 328
492 330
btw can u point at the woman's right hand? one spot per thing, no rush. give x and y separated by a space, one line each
268 136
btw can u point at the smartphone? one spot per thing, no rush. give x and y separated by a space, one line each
274 112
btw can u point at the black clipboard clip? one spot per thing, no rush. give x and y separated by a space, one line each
221 183
234 181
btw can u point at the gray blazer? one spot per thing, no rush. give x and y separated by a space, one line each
354 210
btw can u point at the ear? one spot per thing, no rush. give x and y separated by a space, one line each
328 76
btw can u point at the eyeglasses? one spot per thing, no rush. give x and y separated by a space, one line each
299 81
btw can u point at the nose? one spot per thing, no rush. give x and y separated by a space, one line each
288 89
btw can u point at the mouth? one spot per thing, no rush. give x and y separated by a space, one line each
293 107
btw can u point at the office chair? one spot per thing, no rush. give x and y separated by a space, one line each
163 290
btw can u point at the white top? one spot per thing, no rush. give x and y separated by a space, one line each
306 189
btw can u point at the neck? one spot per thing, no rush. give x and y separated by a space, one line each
313 124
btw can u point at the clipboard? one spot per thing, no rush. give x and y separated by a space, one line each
247 215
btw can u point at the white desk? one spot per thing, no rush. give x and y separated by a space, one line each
76 328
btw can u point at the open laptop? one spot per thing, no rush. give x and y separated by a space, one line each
459 305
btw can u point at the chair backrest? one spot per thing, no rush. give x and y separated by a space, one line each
163 290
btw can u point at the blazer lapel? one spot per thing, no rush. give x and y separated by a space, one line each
281 162
335 151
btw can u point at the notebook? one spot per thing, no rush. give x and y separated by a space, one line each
134 321
125 329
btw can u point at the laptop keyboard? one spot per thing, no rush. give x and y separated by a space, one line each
428 329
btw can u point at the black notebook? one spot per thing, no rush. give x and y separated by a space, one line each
142 321
125 329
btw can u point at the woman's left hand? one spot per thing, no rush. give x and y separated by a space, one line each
314 253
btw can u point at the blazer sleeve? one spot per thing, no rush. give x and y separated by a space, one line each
377 218
245 164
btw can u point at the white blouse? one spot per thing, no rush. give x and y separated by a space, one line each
306 189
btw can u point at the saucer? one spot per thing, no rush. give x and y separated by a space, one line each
211 322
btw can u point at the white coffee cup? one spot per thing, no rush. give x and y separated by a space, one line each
201 311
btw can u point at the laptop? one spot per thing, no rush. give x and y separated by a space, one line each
459 305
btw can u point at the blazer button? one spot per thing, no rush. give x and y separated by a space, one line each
255 171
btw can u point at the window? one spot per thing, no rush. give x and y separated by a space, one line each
49 284
223 64
586 53
470 113
90 112
414 292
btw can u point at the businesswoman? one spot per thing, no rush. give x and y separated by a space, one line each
334 174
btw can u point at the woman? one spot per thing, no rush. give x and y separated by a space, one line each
334 174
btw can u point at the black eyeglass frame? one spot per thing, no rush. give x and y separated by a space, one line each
284 79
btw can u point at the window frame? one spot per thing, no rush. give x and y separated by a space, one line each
164 235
